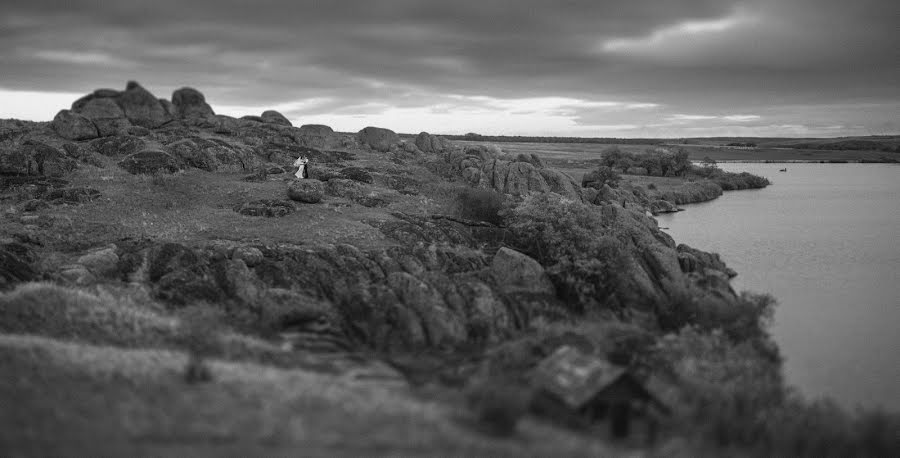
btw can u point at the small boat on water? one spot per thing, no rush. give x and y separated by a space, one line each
782 170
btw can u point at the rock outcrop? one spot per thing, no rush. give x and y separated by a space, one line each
307 191
106 115
274 117
189 103
212 155
268 208
378 139
481 166
141 107
36 159
120 145
15 267
74 126
150 161
516 271
432 144
314 135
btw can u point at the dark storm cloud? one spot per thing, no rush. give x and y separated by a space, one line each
709 56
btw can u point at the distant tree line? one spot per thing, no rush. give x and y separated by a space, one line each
854 145
742 144
534 139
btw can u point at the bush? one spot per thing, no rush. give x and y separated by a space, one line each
480 205
568 237
200 329
657 161
551 227
603 175
498 405
742 320
734 397
587 284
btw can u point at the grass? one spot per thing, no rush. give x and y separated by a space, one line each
101 317
137 402
195 206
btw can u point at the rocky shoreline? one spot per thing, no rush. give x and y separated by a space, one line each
129 216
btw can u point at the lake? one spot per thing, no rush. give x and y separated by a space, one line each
824 239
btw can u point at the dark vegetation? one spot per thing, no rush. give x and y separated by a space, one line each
852 145
480 205
663 163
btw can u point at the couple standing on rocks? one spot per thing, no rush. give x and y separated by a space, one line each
303 171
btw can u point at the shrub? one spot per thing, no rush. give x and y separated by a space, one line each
657 161
742 320
603 175
480 205
200 329
568 237
733 398
587 284
552 227
498 405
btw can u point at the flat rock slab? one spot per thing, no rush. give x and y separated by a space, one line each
307 191
265 207
150 161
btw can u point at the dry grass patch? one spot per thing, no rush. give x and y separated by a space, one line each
100 317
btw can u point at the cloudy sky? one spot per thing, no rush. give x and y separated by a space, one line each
626 68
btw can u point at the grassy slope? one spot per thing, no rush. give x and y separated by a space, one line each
80 400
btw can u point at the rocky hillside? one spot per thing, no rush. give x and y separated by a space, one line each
128 215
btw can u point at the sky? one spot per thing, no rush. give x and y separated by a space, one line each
587 68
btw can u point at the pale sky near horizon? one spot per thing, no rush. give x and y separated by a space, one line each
591 68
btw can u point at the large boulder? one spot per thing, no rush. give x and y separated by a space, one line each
169 107
524 178
141 107
34 158
378 139
306 191
150 161
212 155
518 272
274 117
315 135
120 145
441 325
189 103
14 266
428 143
103 261
356 174
106 115
74 126
561 183
268 208
693 260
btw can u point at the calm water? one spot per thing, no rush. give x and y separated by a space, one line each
824 239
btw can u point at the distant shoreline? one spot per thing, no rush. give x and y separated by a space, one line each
802 161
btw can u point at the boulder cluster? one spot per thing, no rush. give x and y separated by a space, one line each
109 112
485 167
